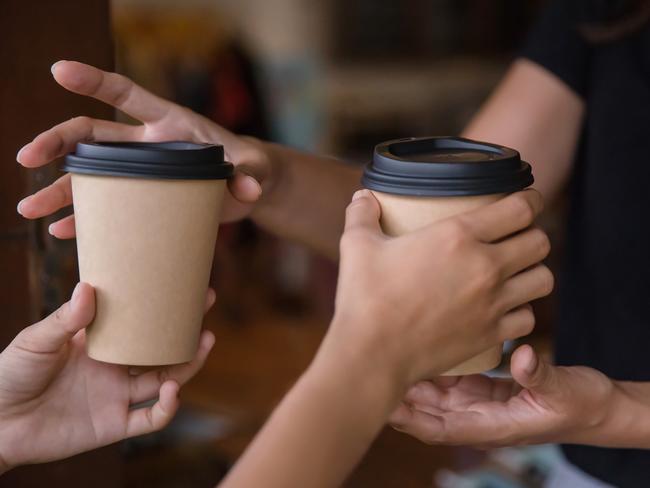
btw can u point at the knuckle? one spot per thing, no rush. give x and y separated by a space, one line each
486 271
547 280
351 208
60 314
352 238
456 234
523 207
81 120
123 87
527 321
163 375
543 243
357 203
23 337
62 194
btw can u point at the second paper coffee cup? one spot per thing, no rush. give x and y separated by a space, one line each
418 181
146 216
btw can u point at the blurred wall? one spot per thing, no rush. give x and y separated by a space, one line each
37 273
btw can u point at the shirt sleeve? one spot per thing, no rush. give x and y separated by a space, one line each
555 44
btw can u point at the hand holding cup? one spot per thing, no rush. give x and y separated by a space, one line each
159 120
56 402
411 313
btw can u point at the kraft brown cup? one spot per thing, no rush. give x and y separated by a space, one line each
403 214
419 181
146 245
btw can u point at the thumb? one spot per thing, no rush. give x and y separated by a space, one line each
363 212
533 373
53 332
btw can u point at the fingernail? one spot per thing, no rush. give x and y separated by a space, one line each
532 363
257 184
20 204
75 295
360 194
50 229
53 67
19 153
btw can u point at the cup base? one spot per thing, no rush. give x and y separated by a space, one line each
480 363
112 358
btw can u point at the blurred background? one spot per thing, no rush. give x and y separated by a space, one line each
333 77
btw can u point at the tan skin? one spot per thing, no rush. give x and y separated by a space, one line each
537 113
363 368
304 198
383 337
56 402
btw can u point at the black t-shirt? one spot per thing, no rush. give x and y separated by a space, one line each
604 287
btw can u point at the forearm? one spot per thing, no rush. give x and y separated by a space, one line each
305 197
536 113
626 422
321 429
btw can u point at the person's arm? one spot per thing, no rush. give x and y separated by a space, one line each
305 197
387 334
626 423
322 428
531 110
535 112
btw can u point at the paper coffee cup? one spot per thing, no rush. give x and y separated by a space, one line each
418 181
146 216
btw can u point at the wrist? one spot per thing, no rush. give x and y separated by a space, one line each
611 418
363 368
626 422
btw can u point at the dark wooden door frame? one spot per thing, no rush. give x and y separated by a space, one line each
36 273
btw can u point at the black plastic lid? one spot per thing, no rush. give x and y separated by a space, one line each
445 166
168 160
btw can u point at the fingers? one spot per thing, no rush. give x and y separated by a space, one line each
111 88
522 251
150 419
504 217
531 372
244 188
423 426
363 212
517 323
145 386
63 138
429 394
244 191
48 200
210 298
64 228
526 286
53 332
453 428
401 416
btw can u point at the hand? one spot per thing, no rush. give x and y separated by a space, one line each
542 403
420 303
161 121
56 402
